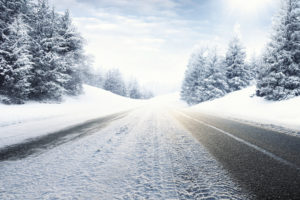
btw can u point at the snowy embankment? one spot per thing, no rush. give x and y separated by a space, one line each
21 122
244 105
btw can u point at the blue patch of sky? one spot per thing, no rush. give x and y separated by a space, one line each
206 16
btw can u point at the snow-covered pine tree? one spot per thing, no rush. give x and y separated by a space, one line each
90 76
214 84
70 49
193 75
17 81
254 64
45 58
114 82
58 54
204 78
146 94
237 73
133 90
37 39
9 10
279 78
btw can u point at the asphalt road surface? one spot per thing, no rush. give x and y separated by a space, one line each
154 153
265 162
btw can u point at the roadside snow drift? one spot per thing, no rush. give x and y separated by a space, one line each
245 105
21 122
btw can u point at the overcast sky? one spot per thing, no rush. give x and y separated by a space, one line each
153 39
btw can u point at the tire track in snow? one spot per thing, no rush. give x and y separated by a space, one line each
145 155
49 141
197 174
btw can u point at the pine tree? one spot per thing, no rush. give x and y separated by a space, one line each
44 57
70 49
280 75
254 64
193 75
9 11
215 80
90 76
18 85
133 90
237 73
114 82
58 54
146 94
204 78
41 54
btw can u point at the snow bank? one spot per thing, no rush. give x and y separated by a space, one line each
244 105
21 122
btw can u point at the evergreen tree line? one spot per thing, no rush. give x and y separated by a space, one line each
276 72
113 81
210 75
40 52
42 57
279 76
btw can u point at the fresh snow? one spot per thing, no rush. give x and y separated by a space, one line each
145 155
244 105
21 122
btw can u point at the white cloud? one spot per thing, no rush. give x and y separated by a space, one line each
149 39
248 7
131 45
237 30
141 7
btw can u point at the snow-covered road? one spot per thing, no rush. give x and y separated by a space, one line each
145 155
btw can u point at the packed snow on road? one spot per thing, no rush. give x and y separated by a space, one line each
145 155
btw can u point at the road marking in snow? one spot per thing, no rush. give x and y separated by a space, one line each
244 142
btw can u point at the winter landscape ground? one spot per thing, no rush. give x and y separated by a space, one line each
244 105
143 152
22 122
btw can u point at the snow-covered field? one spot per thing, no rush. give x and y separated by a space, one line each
20 122
243 105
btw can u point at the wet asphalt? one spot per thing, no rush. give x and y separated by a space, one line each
40 144
265 163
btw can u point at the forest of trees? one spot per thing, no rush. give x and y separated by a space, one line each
276 72
279 76
209 75
40 52
113 81
42 57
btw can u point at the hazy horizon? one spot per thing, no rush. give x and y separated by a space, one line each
152 40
